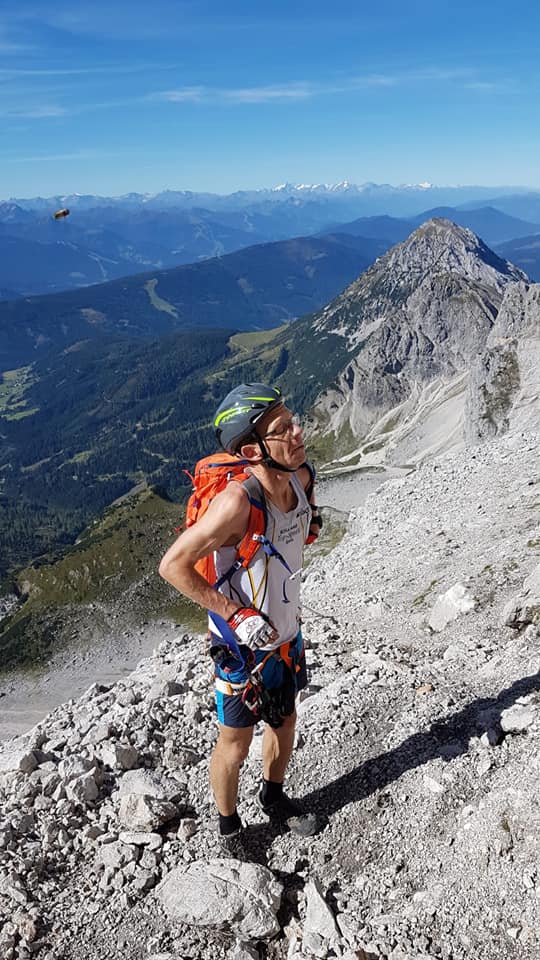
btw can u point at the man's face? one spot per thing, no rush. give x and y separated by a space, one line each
282 436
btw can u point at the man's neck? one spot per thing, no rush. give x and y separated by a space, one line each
276 485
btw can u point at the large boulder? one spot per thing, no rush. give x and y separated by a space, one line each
225 894
145 814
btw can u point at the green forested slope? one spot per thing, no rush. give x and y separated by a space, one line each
256 288
102 417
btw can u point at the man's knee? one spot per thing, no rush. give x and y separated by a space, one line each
233 743
289 722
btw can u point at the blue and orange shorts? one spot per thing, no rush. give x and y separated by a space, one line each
231 710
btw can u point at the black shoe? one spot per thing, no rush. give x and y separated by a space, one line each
289 812
234 845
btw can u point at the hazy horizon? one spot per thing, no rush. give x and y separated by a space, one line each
520 188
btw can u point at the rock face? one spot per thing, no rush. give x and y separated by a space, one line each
505 380
421 312
320 930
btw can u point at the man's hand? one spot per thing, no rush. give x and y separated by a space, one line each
252 628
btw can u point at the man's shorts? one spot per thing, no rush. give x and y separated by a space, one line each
231 711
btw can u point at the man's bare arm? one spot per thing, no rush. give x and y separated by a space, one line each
223 524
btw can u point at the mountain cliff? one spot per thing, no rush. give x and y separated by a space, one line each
505 381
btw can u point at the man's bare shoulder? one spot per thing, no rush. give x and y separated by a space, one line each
233 496
230 509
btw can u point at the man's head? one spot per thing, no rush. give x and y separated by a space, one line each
252 421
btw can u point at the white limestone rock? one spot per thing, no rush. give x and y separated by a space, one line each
146 814
449 606
320 930
224 894
517 718
73 766
119 756
152 841
524 609
116 855
83 789
148 783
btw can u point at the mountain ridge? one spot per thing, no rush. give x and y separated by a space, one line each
256 288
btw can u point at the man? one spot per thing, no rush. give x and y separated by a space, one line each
260 605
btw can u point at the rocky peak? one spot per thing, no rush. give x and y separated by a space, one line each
438 260
10 212
414 322
441 246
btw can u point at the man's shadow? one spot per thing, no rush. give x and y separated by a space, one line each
447 739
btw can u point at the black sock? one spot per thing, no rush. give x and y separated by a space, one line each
271 792
229 824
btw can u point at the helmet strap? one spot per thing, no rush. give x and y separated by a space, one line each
270 462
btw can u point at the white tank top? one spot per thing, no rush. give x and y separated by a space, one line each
266 583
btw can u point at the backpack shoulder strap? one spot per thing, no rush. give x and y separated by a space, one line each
258 516
250 543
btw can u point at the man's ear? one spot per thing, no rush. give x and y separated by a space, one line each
251 451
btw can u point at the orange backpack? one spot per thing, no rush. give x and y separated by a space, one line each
210 476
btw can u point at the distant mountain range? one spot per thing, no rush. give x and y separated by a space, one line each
525 251
379 198
489 223
109 237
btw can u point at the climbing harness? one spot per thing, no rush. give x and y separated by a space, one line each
272 704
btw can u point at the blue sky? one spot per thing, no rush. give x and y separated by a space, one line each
127 95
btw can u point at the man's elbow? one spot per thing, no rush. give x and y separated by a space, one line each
162 569
168 569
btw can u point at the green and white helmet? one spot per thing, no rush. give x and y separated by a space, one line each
242 408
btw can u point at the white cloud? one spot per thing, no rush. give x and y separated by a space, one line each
270 93
113 68
42 112
182 95
485 86
262 94
303 90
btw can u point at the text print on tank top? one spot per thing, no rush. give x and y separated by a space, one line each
266 584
